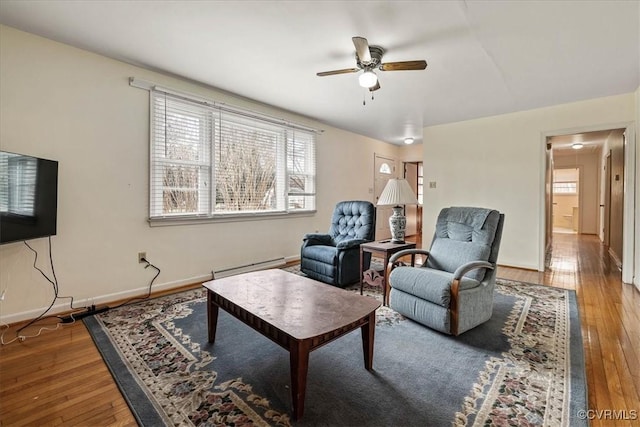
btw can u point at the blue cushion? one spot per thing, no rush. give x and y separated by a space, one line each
352 220
463 234
448 255
325 254
428 284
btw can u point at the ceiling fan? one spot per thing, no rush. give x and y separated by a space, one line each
368 58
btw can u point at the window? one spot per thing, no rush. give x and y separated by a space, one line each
385 169
210 161
570 187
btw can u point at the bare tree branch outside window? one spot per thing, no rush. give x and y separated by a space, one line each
207 160
246 172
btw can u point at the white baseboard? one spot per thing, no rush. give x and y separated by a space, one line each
63 307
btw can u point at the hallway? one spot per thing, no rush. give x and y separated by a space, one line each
610 320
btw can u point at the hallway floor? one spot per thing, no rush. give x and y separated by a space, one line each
610 319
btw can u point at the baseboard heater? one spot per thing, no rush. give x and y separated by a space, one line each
260 265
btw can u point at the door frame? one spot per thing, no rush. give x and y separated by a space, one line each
412 212
628 234
606 220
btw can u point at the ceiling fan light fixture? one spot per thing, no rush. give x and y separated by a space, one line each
368 79
408 141
577 146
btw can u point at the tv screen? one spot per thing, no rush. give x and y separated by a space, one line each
28 197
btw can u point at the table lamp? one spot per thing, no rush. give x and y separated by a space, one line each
397 192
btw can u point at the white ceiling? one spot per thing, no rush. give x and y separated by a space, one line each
484 57
592 142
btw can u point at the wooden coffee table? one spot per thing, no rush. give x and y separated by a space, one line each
298 313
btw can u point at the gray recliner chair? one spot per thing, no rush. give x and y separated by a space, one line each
452 291
334 257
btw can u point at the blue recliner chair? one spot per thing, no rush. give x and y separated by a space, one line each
452 291
334 257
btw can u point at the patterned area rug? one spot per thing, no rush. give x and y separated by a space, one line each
524 367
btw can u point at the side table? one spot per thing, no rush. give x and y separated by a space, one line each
386 249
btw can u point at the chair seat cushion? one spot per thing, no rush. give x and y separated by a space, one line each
428 284
324 254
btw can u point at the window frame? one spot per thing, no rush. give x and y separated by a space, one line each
157 215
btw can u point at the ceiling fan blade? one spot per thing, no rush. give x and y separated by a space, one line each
376 87
405 65
362 49
344 71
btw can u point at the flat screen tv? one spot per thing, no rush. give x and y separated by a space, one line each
28 197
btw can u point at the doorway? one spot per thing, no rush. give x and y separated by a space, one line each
566 201
605 188
413 173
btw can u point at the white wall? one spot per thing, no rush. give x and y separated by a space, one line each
498 162
411 153
77 107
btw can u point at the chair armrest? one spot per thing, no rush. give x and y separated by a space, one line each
465 268
348 244
393 261
406 252
317 239
455 289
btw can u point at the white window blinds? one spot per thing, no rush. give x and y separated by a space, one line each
209 161
18 176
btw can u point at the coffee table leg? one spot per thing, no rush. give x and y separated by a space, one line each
368 332
299 365
212 317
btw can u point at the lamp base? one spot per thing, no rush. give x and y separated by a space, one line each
397 225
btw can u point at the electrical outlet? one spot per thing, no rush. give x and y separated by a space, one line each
142 256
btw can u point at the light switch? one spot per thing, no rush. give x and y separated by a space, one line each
432 184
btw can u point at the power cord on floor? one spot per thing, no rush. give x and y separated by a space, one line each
56 296
70 318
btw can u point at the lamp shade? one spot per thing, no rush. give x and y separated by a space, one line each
397 192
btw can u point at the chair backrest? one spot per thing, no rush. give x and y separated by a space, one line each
354 219
465 234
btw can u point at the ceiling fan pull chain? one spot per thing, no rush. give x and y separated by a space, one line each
364 101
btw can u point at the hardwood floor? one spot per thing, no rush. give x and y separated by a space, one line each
59 378
610 321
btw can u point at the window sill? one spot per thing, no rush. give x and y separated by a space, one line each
190 220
